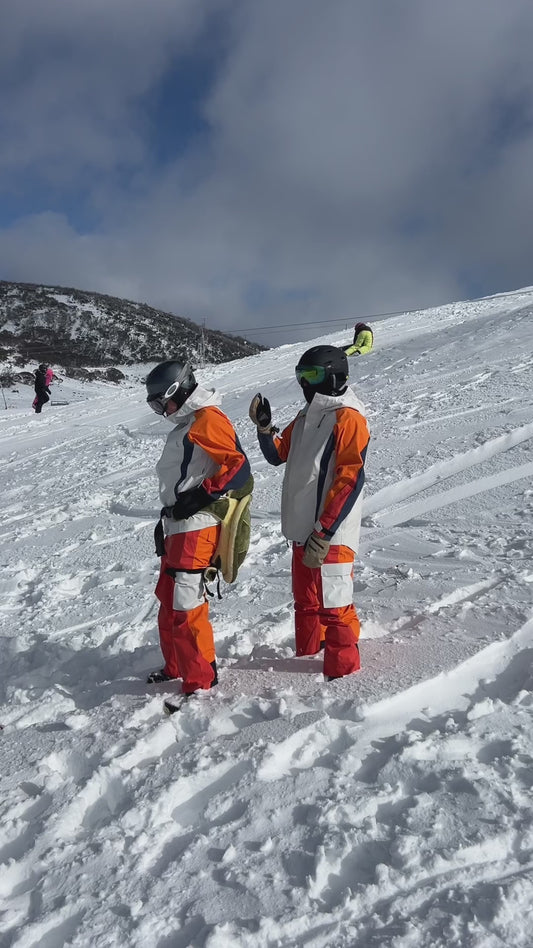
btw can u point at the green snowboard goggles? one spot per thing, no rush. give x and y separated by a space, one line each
310 374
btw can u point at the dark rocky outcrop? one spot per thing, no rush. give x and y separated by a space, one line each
82 331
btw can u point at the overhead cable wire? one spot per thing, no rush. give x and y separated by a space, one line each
397 312
324 322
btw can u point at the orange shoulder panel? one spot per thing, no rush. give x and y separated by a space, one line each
351 436
212 431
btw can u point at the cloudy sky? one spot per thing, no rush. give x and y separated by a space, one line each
290 163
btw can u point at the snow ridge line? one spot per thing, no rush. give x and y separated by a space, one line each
448 690
438 472
478 486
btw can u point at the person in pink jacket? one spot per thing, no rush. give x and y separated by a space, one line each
43 377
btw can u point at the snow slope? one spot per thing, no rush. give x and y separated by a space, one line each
391 808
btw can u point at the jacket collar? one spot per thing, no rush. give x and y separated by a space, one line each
322 403
200 398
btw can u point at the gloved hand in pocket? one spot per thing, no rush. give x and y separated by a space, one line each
187 503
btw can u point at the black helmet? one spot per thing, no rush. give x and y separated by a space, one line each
43 367
360 326
323 369
169 380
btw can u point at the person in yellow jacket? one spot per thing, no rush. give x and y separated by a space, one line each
324 450
201 461
363 340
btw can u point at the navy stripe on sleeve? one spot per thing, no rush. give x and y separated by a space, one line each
268 447
350 499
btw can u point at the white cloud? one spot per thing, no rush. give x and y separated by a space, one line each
77 75
346 141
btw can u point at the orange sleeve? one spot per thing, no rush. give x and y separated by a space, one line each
351 437
276 450
283 443
214 433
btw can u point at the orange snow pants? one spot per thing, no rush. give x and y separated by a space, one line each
324 611
185 632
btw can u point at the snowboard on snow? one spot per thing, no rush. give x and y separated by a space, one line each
171 705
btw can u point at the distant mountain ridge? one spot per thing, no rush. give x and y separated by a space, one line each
77 329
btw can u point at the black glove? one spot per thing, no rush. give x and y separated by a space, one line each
159 539
187 504
261 414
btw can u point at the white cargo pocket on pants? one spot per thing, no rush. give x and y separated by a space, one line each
188 591
337 584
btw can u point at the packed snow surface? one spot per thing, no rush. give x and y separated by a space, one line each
390 808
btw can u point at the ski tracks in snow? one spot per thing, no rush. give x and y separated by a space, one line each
393 496
206 789
390 808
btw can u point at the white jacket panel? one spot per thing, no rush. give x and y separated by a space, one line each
179 467
310 472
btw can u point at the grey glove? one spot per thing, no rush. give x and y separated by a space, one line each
261 414
316 550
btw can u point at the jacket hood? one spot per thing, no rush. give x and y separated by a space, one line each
200 398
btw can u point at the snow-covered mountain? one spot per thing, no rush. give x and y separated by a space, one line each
389 809
75 329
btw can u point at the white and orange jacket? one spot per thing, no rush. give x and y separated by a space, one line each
324 449
202 449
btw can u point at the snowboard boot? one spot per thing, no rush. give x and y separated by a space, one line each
156 677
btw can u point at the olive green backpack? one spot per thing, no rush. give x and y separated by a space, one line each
234 512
